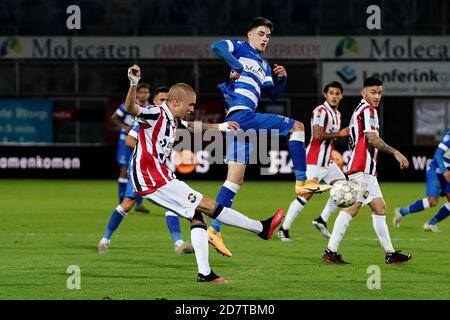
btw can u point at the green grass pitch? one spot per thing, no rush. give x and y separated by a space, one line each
46 226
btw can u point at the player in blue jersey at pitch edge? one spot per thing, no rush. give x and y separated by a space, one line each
123 121
438 184
250 76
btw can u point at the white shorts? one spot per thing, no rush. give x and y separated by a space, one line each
177 197
327 174
370 188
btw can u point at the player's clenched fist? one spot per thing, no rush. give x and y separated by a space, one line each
229 126
404 164
343 133
134 74
280 71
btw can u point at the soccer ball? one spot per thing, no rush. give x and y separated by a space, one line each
344 193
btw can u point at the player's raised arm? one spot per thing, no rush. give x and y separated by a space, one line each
134 74
224 49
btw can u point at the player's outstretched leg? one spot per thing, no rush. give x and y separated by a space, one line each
173 225
417 206
264 228
392 256
341 224
297 152
321 221
443 213
199 237
114 221
225 197
294 210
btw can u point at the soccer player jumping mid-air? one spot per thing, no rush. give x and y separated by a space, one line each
251 75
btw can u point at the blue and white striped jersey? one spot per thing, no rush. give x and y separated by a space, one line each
441 160
256 75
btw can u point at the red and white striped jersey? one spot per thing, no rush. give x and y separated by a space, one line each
156 137
319 151
363 157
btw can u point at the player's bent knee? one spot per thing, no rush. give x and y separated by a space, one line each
123 172
198 219
206 206
354 209
298 126
127 204
433 201
236 172
308 196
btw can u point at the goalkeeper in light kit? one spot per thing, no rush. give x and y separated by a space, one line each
365 144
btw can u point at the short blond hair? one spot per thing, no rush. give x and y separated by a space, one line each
180 90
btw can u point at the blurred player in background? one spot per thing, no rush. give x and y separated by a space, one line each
365 144
438 184
123 121
172 220
325 127
251 76
153 180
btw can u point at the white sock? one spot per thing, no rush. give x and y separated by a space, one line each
236 219
382 231
294 210
170 214
104 240
340 227
178 243
199 239
329 209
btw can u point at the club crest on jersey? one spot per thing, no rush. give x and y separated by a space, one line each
192 197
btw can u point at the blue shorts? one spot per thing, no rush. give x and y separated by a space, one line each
239 151
437 185
123 154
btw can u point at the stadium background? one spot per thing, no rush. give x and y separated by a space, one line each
66 92
56 101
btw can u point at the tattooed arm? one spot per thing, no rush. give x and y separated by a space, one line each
378 143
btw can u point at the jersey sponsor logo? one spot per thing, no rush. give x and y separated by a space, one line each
253 67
